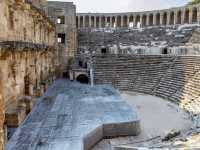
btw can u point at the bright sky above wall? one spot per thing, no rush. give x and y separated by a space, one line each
110 6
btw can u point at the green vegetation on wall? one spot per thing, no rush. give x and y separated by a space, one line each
193 2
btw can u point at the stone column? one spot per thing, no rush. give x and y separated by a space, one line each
100 25
106 21
141 23
154 19
182 16
147 22
90 21
95 21
134 20
83 21
198 14
190 15
116 21
161 18
128 17
122 21
175 17
168 18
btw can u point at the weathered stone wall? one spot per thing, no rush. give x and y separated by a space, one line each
22 22
63 14
28 60
180 15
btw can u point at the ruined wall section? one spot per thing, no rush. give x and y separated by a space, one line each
22 21
63 14
28 60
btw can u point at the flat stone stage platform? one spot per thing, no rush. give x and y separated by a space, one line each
73 116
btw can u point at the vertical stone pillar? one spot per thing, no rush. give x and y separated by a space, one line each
110 21
95 21
83 21
90 21
141 23
168 18
154 19
134 20
190 15
128 17
106 21
122 21
100 25
116 21
161 18
147 22
182 16
198 14
175 17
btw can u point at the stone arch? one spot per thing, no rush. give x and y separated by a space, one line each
81 21
151 19
113 21
119 21
103 21
179 14
186 17
92 21
87 21
194 15
108 23
144 20
131 20
82 78
137 19
158 19
98 22
171 18
164 21
125 19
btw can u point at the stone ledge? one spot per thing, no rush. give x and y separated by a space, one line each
20 46
109 131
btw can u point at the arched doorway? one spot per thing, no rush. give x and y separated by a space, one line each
186 17
164 21
179 17
82 78
194 15
144 20
157 19
137 20
151 19
171 22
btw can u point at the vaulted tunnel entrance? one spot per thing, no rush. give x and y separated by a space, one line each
82 78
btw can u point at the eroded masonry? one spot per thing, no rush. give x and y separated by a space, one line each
154 53
28 59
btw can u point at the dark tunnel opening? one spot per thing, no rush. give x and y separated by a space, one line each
82 79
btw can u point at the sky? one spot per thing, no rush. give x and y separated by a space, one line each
112 6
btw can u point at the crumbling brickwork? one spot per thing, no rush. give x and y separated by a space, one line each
28 59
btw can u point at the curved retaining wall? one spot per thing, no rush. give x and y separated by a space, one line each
178 15
174 78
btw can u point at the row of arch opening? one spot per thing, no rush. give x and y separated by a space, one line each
166 18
